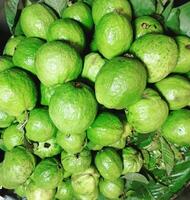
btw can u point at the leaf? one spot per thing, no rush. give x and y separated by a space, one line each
10 12
136 177
89 2
159 7
57 5
167 155
168 9
185 19
148 7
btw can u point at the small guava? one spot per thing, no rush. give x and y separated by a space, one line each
5 119
105 130
5 63
109 163
75 163
148 114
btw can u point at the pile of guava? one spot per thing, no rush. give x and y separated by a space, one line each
94 100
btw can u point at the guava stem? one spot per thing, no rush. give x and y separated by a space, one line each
23 124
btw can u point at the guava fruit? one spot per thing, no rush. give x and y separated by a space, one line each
71 143
39 127
146 24
25 53
103 7
18 92
47 148
64 191
13 137
85 182
183 63
112 189
120 82
5 119
73 107
48 174
176 91
57 62
152 50
5 63
148 114
114 35
132 160
105 130
18 165
109 163
93 62
176 128
75 163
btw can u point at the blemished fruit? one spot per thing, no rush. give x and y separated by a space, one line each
177 127
39 127
35 20
18 92
67 30
94 100
57 62
80 12
183 63
114 35
152 50
24 55
103 7
176 90
120 82
73 107
146 24
149 113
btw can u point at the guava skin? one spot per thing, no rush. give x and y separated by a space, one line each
71 143
109 163
94 147
39 127
120 83
17 95
47 93
146 24
11 45
67 30
114 35
73 108
5 119
105 130
18 165
85 182
48 174
80 12
35 20
176 129
5 63
111 189
47 149
93 62
148 114
132 160
64 191
103 7
176 91
183 63
13 137
35 192
57 62
93 196
75 163
158 52
24 55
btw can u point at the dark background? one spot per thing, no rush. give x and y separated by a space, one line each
5 34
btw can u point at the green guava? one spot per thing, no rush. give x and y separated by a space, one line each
5 63
5 119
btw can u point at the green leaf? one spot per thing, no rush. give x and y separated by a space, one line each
167 10
57 5
89 2
159 7
148 7
167 155
185 19
136 177
10 12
